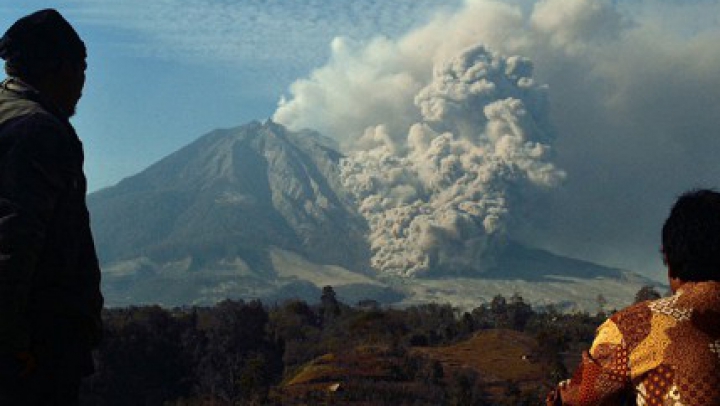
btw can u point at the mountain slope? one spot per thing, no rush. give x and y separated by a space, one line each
258 211
233 193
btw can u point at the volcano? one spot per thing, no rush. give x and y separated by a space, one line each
259 211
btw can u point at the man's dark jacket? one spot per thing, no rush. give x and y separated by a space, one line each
50 301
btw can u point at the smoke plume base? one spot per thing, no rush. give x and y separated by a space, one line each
439 197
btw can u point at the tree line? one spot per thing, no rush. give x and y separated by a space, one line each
240 353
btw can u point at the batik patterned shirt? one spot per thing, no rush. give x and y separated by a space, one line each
662 352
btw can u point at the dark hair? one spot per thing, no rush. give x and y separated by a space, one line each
691 236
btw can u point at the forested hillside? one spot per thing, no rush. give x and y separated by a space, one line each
248 353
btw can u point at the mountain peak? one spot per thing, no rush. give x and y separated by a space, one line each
258 184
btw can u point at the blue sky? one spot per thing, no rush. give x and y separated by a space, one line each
162 73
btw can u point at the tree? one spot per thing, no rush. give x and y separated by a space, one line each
141 359
329 305
601 302
518 312
499 310
647 292
236 361
295 324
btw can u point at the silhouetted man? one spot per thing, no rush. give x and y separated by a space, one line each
50 300
664 351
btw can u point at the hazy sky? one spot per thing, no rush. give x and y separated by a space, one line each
163 72
634 90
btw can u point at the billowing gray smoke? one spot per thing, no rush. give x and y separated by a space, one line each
438 197
634 90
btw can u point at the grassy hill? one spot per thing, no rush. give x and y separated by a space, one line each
496 359
499 357
362 375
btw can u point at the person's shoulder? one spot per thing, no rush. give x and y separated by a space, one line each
31 122
634 308
633 315
20 111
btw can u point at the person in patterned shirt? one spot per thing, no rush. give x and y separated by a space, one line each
664 351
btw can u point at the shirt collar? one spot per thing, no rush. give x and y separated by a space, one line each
24 89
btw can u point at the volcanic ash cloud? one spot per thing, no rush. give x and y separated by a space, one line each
440 198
